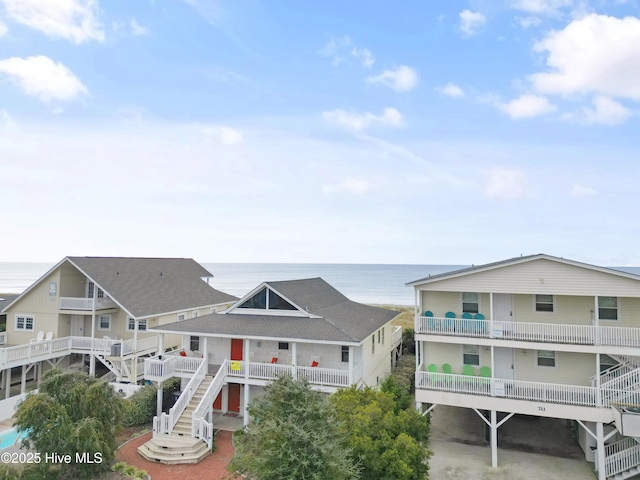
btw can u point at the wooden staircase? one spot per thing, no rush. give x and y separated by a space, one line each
178 446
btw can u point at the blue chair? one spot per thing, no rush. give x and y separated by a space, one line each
431 322
449 324
481 327
467 326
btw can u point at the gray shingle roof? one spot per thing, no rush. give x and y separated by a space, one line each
340 319
152 286
6 300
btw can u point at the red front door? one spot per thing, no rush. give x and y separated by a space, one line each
217 404
234 397
236 348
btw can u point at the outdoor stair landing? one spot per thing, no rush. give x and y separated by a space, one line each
179 447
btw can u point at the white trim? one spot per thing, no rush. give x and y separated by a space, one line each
299 312
99 318
25 316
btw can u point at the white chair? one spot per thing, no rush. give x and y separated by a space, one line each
39 338
49 336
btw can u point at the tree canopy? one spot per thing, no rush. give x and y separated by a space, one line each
72 414
388 441
294 435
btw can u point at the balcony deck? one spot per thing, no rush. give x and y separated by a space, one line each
530 332
86 304
59 347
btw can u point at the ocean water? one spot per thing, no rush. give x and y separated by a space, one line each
373 284
379 284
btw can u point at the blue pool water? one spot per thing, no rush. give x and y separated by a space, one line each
9 437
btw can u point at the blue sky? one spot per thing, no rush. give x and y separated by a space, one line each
451 132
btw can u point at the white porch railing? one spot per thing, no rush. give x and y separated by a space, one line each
268 371
201 425
524 331
324 376
396 335
162 367
622 460
58 347
167 421
74 303
514 389
3 338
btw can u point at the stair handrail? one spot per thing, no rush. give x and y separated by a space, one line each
200 428
624 382
620 445
622 461
611 373
187 394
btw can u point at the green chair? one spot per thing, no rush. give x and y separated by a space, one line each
468 370
432 368
446 368
485 380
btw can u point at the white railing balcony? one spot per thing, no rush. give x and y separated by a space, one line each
163 367
86 304
3 338
269 371
531 332
524 390
396 335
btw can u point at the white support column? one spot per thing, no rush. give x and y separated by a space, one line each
294 360
417 347
246 404
134 358
600 451
160 344
23 383
92 358
159 398
491 318
2 376
421 352
225 398
494 439
246 356
493 369
351 372
205 349
598 393
7 385
596 320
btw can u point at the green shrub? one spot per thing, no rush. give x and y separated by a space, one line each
140 407
408 341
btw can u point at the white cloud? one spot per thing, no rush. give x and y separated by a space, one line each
526 22
74 20
362 121
451 90
541 6
364 55
352 186
593 54
137 29
471 21
606 112
527 106
582 191
402 79
43 78
334 49
224 135
505 184
3 29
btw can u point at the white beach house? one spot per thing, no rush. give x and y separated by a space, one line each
304 328
102 308
536 335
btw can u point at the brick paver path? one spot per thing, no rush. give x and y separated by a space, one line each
211 468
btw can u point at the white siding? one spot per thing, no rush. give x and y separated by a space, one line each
540 276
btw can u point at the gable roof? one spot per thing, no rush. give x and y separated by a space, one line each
515 261
332 317
5 300
146 287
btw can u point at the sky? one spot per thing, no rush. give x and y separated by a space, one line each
419 132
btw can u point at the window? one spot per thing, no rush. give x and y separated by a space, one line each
259 300
104 322
544 303
470 355
373 344
24 322
345 354
546 358
283 345
131 324
276 302
182 316
195 314
383 335
194 344
470 302
607 308
379 336
91 289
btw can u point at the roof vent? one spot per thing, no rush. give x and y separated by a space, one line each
161 274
